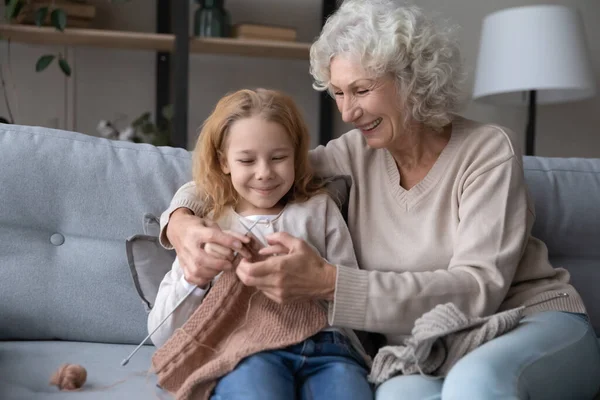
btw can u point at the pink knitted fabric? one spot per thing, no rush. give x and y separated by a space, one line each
188 366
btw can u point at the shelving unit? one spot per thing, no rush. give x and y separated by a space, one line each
160 42
173 45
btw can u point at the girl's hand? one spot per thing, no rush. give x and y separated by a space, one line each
292 272
190 234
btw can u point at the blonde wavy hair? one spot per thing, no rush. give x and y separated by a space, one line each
215 187
392 37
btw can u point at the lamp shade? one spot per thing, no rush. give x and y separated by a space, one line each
540 48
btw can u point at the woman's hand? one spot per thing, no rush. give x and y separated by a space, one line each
189 234
225 253
292 272
222 252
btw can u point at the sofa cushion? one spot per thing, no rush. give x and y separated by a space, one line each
68 203
566 193
149 262
27 367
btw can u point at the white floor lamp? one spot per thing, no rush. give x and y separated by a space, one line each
533 55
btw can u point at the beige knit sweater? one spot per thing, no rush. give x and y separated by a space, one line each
462 235
439 339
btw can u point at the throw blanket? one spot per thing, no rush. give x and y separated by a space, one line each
439 339
233 322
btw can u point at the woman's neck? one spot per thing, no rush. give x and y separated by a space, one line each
419 147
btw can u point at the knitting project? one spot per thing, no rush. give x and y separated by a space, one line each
234 321
438 340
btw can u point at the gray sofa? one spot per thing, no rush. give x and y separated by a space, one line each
68 204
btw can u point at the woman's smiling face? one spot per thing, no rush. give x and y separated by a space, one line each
371 105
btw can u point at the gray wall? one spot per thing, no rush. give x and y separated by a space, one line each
565 130
119 85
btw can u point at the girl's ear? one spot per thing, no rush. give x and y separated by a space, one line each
223 163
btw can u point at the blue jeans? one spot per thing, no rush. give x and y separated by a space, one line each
324 366
550 355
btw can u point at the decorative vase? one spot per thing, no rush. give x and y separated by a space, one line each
211 19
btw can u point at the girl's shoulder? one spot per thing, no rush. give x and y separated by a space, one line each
226 220
317 205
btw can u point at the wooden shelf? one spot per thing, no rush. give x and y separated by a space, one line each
152 42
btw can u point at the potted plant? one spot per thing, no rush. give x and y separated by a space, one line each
58 18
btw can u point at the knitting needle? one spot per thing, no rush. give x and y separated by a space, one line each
249 230
126 360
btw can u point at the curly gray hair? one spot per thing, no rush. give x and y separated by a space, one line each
387 36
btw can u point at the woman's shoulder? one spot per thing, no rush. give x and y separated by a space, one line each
486 141
353 140
227 219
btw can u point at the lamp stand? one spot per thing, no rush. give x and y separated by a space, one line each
530 138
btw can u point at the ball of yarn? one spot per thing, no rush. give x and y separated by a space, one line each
69 377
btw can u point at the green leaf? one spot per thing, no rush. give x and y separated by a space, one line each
141 120
64 66
168 111
40 15
148 128
13 8
161 139
43 62
59 19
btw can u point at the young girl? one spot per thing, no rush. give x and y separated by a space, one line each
251 165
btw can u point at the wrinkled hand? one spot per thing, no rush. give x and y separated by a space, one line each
293 271
222 252
219 251
190 234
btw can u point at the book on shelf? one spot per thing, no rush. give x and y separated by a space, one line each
263 32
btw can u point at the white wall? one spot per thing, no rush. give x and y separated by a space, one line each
565 130
111 84
120 85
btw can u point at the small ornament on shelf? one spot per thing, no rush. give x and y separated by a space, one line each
211 19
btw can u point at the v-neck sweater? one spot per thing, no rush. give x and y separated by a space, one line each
461 235
407 198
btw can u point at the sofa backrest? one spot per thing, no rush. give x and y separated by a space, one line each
68 202
566 192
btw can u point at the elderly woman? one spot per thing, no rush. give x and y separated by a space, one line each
438 212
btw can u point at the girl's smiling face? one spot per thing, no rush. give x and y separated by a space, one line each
259 157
